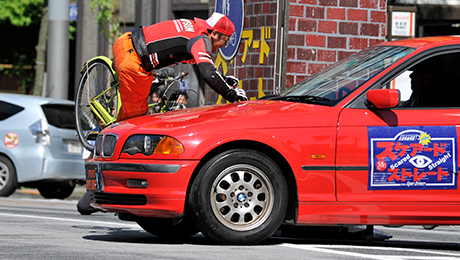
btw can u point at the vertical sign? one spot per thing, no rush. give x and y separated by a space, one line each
403 24
234 10
73 10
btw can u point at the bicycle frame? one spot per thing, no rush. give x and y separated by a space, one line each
106 117
96 110
169 82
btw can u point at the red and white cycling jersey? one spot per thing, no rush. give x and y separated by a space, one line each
174 41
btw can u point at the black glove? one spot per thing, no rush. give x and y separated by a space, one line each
241 94
232 81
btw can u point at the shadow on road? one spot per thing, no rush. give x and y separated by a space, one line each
126 235
319 237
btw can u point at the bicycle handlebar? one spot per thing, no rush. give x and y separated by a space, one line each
181 75
163 77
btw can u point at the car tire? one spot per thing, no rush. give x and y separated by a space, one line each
239 197
8 177
166 228
56 189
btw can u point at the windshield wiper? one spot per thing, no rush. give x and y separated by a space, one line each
306 98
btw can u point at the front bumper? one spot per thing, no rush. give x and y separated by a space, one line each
147 188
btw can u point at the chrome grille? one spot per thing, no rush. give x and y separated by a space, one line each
98 145
108 147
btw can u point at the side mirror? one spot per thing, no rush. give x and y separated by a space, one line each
383 98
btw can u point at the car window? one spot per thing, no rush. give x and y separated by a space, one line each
341 79
402 83
432 83
8 109
61 116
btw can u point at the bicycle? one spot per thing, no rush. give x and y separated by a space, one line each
98 102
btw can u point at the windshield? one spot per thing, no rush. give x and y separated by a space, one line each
335 83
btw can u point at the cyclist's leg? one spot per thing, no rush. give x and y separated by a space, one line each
134 80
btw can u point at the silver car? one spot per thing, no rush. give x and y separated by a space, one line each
40 148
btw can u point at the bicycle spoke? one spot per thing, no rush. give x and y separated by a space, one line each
96 80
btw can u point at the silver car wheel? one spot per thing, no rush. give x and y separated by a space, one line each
242 197
4 175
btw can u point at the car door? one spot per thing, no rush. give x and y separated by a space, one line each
398 156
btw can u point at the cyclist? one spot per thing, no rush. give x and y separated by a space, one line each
159 45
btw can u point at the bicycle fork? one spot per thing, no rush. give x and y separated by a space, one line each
104 115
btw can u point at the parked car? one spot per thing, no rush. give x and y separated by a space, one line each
334 149
40 149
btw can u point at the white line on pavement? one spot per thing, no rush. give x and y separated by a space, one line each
70 220
335 249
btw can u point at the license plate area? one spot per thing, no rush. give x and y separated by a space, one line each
94 181
73 146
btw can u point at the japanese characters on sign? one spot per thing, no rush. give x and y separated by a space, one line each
412 158
249 42
403 24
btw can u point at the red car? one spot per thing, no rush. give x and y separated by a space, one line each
340 148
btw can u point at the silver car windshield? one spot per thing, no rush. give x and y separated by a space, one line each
330 86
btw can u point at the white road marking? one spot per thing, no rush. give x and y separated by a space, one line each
328 249
336 249
70 220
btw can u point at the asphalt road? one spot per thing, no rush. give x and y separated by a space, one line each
35 228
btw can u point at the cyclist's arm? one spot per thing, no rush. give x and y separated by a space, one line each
200 47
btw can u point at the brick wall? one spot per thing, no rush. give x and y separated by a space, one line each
322 32
254 62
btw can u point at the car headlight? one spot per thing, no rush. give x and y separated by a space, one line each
41 132
152 144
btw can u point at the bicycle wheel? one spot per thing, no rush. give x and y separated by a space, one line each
96 79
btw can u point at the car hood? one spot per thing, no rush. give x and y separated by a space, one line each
245 115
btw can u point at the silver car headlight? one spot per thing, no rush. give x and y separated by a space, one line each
41 132
152 144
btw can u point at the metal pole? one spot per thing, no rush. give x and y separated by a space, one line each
164 11
58 49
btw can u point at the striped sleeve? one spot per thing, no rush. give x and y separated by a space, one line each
200 47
